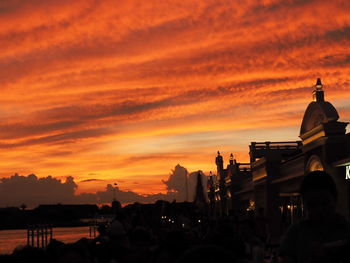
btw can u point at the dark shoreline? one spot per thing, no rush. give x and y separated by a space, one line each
53 225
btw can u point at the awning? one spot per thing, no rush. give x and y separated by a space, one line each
286 178
342 162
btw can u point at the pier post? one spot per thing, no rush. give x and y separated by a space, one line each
46 233
51 233
37 236
32 236
43 236
42 233
27 237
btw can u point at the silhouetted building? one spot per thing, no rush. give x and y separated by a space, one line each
224 192
277 168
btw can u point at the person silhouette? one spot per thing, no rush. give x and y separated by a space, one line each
323 236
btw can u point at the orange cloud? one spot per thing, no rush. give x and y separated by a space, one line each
125 91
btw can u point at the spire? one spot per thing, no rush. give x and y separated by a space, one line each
318 83
199 198
219 162
231 159
318 94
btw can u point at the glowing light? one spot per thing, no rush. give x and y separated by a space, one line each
347 172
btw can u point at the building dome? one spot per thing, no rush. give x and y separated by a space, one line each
318 111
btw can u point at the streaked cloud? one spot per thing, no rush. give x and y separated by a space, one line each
128 90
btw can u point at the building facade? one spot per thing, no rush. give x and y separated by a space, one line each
276 169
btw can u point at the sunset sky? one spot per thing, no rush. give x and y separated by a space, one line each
123 91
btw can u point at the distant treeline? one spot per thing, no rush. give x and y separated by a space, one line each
56 215
63 215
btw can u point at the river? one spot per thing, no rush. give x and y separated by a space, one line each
10 239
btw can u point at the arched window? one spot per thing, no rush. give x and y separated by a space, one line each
314 164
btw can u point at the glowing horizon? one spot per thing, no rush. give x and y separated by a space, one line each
124 92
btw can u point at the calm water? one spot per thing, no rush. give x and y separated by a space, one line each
10 239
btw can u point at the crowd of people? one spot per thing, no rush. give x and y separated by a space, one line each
130 238
184 237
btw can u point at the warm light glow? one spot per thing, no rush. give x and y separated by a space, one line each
314 137
121 93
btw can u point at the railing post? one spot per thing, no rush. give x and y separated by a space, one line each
46 233
42 236
37 236
32 236
28 235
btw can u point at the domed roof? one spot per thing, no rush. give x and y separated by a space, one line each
316 113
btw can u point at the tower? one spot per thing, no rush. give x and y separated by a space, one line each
231 159
199 198
222 183
219 164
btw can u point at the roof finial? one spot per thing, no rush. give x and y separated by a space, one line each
318 94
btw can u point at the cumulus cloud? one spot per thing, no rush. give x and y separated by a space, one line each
177 182
32 191
182 185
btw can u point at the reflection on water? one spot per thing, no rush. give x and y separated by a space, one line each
10 239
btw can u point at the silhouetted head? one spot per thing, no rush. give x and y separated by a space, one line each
208 254
319 194
246 229
261 211
141 237
54 247
77 252
102 230
30 254
7 259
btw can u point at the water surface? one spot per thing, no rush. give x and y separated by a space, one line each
10 239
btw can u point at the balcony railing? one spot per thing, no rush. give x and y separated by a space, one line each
260 149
